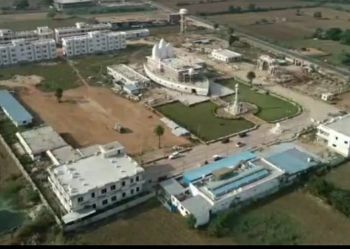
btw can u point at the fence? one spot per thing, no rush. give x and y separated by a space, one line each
26 175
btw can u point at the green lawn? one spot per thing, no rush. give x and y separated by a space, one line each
271 108
95 65
200 120
56 75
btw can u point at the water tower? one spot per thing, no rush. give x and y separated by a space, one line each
183 13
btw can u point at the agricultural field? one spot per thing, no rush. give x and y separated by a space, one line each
195 7
339 176
270 107
201 120
148 224
292 218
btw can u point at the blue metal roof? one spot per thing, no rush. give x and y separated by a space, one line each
292 160
228 162
242 180
13 108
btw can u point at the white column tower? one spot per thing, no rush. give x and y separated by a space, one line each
183 13
235 108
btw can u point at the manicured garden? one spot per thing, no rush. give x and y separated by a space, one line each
271 108
201 120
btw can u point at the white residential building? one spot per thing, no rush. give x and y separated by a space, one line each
336 133
21 51
93 42
97 181
69 4
225 55
7 35
79 29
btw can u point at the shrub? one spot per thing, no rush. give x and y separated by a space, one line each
191 221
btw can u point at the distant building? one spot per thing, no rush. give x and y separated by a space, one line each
336 133
235 180
14 110
128 76
180 74
226 55
22 51
93 42
7 35
136 34
79 29
69 4
36 142
96 182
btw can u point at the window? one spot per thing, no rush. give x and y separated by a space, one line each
137 189
123 183
131 180
132 191
123 194
113 187
92 195
103 191
93 205
345 142
114 198
334 145
104 202
137 178
80 199
336 138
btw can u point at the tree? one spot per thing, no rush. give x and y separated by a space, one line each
251 7
47 2
230 30
346 60
215 25
159 131
52 13
318 14
191 221
251 76
232 39
59 94
345 37
334 34
298 13
22 4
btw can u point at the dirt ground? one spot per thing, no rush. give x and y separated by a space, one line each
87 116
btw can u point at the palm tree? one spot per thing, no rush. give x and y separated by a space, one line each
159 131
251 76
59 94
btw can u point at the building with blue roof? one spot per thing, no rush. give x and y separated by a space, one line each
228 162
14 110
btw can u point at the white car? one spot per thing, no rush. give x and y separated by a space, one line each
217 157
174 155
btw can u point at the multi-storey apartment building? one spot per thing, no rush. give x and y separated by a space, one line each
97 181
79 29
21 50
93 42
7 35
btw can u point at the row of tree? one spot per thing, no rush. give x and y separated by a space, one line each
334 34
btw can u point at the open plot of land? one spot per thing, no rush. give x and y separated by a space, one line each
54 74
271 108
87 116
294 27
340 176
195 7
149 224
313 221
201 120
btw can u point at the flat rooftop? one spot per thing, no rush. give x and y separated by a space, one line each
172 187
42 139
14 109
227 53
128 73
290 158
95 171
228 162
341 125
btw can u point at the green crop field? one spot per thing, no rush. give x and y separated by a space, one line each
201 120
340 176
271 108
57 74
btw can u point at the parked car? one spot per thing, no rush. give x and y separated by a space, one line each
174 155
239 144
225 140
217 157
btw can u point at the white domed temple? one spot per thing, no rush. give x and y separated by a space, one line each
164 68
